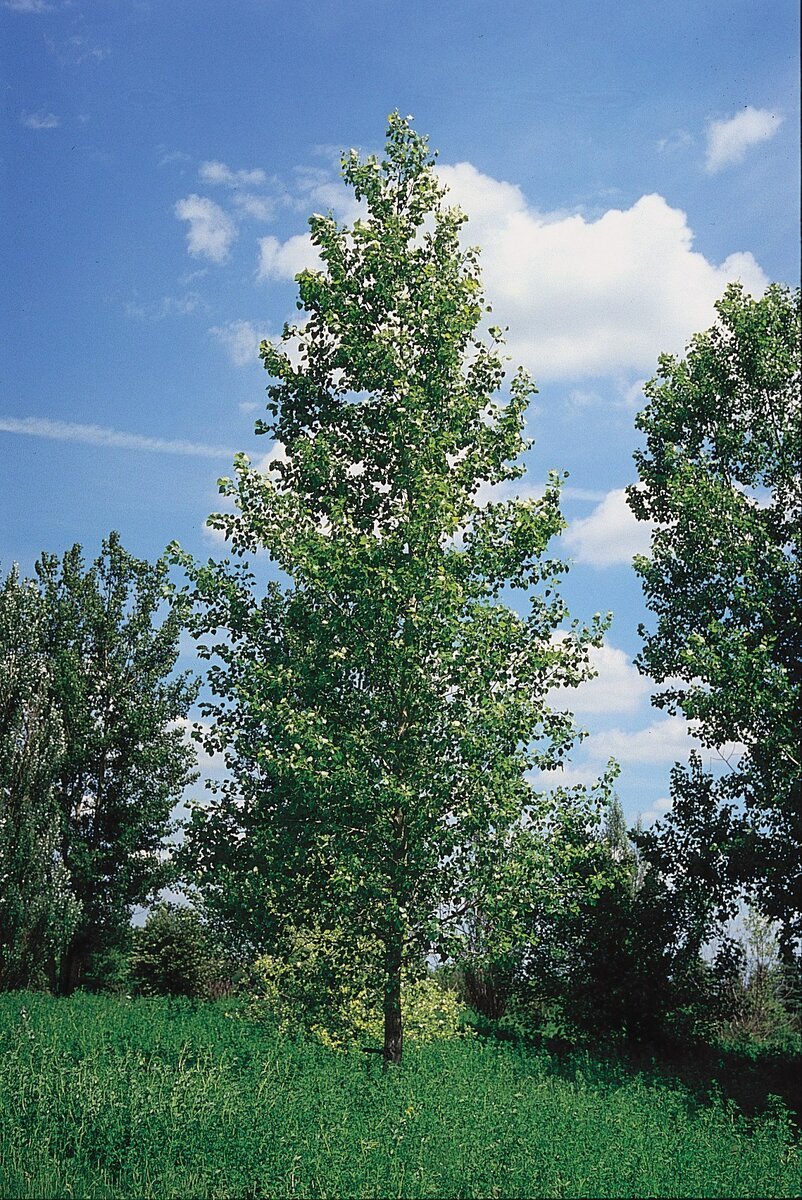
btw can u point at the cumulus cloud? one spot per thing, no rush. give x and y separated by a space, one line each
592 297
618 686
40 120
610 535
211 231
729 140
285 260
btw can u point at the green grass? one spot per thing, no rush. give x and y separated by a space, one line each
150 1098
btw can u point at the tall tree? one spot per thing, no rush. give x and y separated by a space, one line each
380 713
37 910
125 758
720 477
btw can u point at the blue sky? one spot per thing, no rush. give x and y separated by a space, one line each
620 162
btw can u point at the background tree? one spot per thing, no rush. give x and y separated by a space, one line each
173 954
37 910
125 761
720 477
381 711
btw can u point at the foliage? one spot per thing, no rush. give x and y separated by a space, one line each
381 712
125 758
720 478
153 1098
312 987
173 953
37 911
610 947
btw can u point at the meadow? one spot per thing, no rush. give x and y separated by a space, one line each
110 1097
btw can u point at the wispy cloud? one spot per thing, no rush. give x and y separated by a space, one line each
166 157
260 208
168 306
28 6
75 50
729 140
241 339
98 435
680 139
40 120
218 172
211 231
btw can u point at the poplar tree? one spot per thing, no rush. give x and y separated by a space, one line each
382 703
125 758
720 479
38 913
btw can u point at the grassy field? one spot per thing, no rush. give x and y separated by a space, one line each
150 1098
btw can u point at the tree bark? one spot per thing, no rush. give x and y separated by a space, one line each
393 1021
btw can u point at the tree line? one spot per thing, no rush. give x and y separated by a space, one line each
383 704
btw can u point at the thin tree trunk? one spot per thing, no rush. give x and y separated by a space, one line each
393 1023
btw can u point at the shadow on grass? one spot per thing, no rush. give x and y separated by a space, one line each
750 1075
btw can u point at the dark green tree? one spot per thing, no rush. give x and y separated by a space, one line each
125 759
720 478
38 913
381 711
172 954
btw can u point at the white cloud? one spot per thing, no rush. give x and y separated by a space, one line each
218 172
211 231
241 339
565 777
618 686
97 435
40 120
592 297
610 535
666 740
729 140
285 260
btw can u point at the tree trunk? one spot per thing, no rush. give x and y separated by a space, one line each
393 1024
71 969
